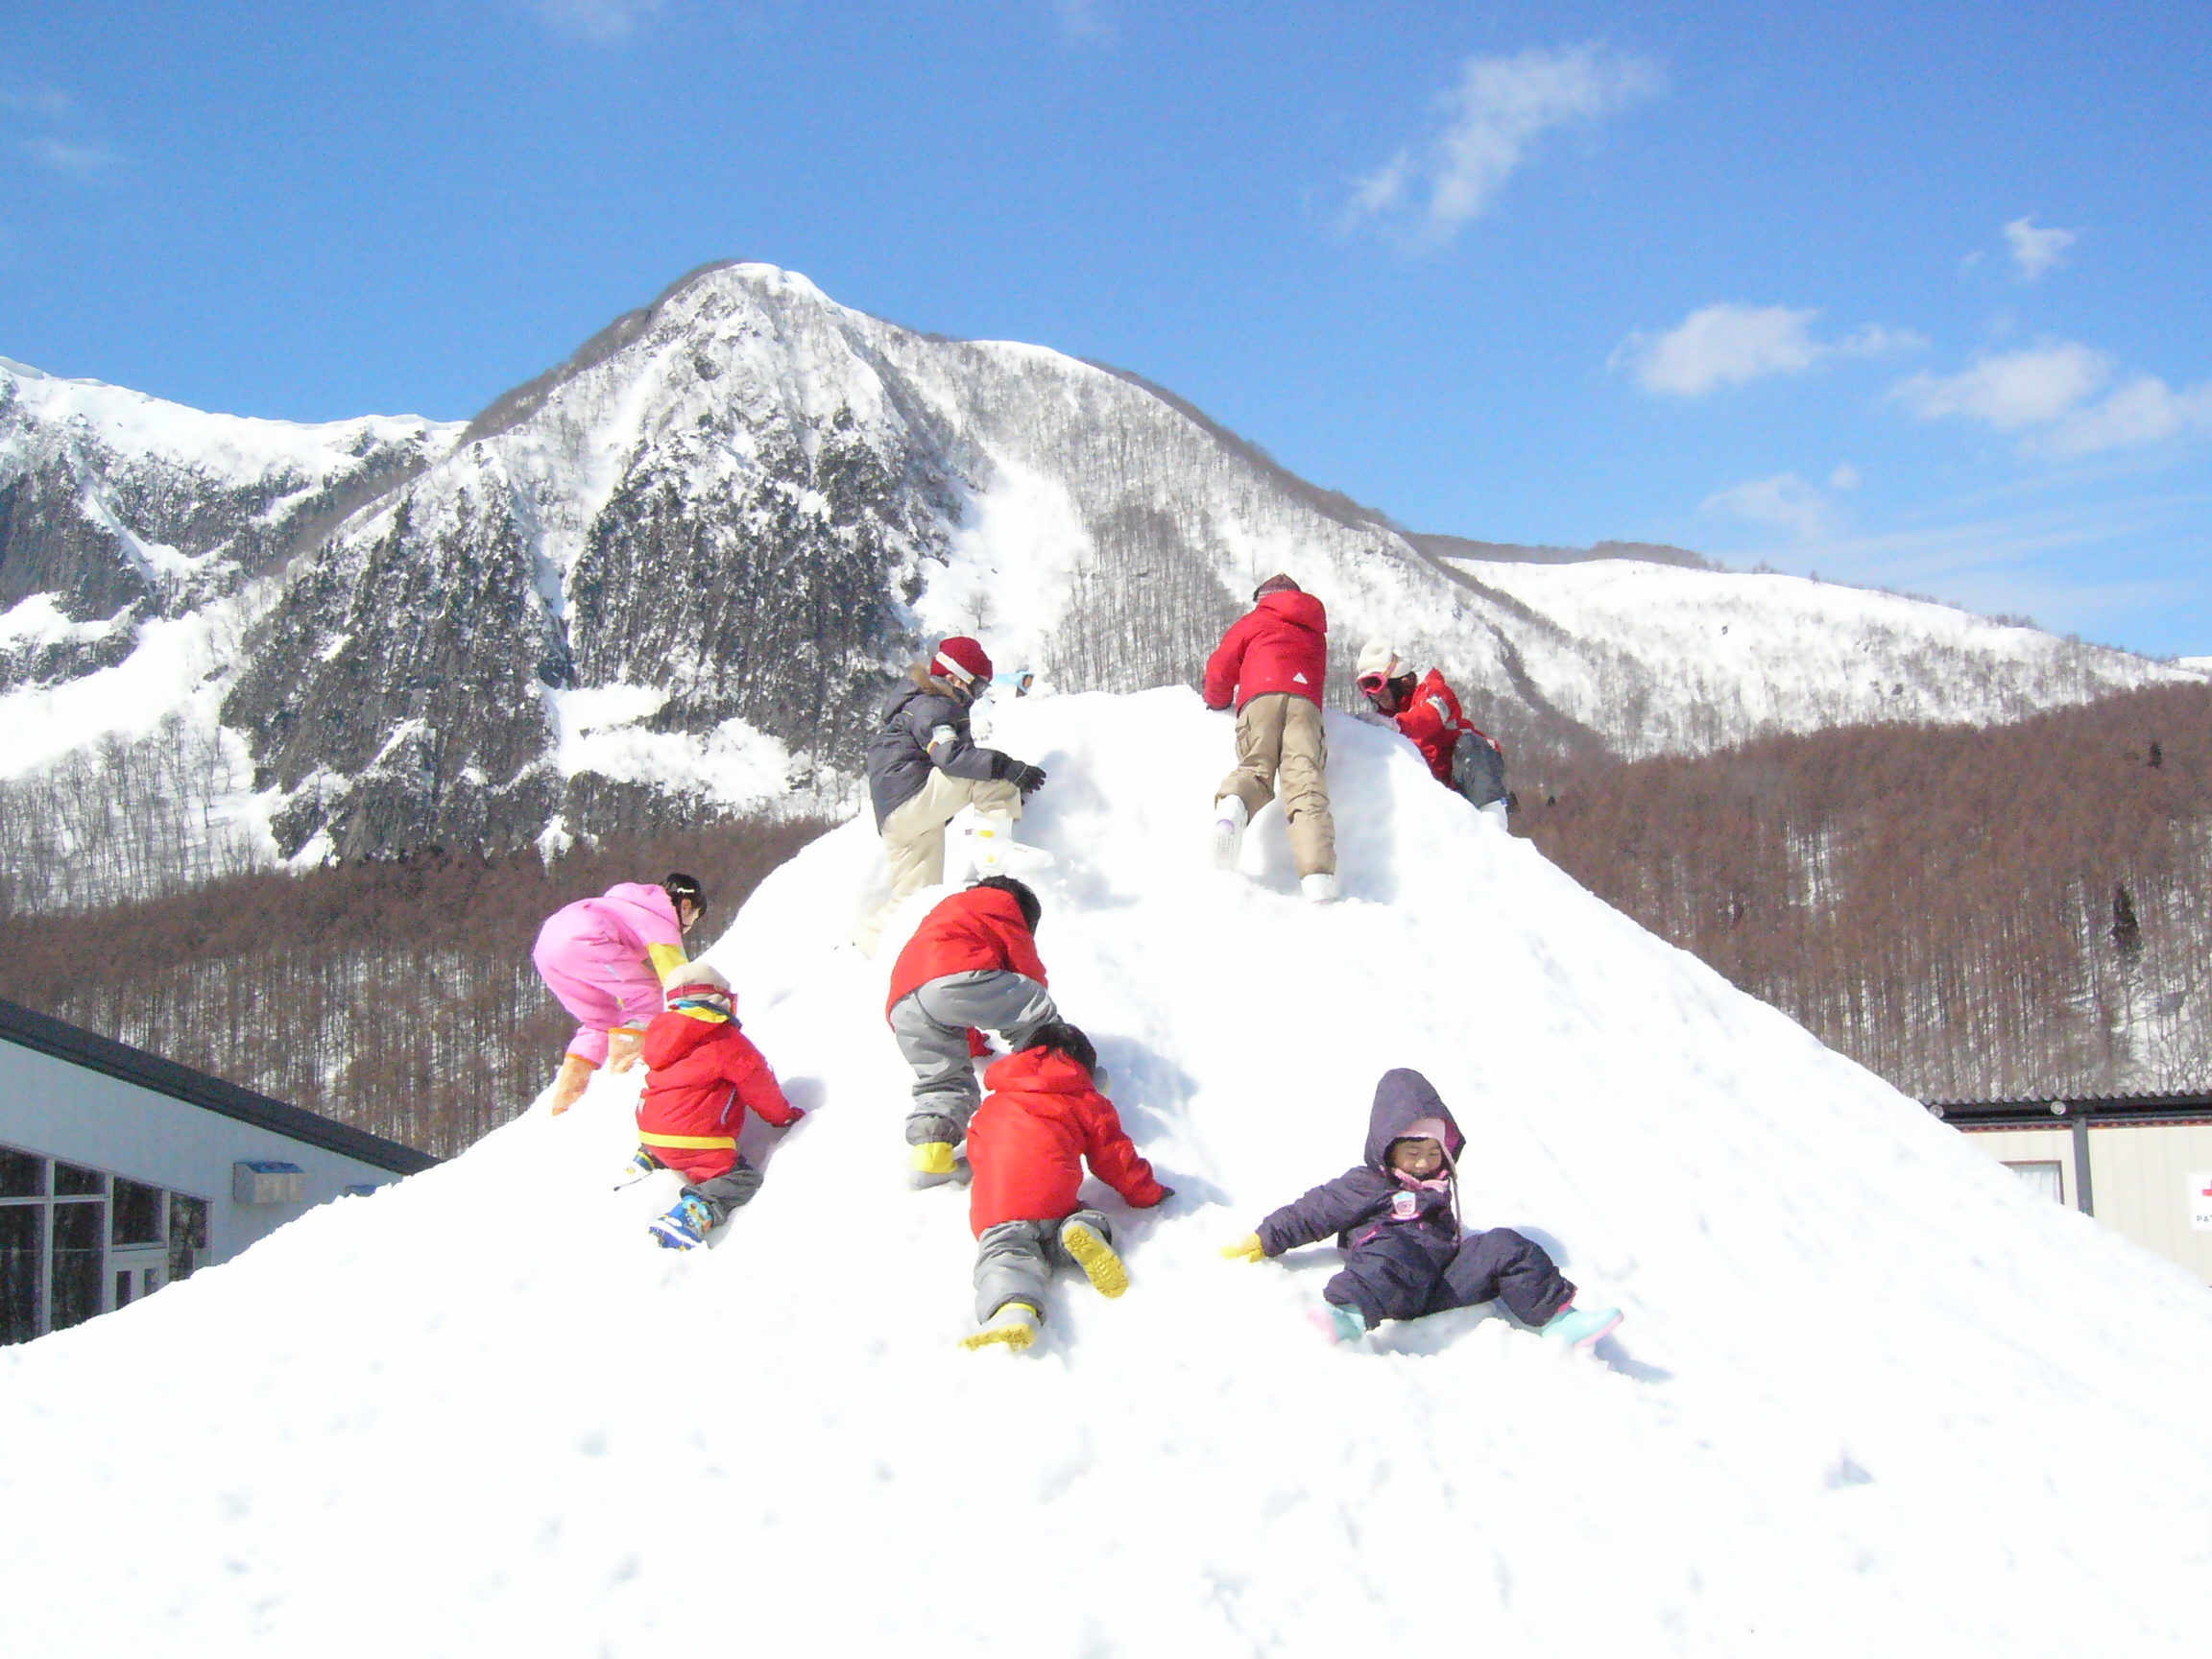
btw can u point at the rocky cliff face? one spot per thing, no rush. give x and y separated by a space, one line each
671 576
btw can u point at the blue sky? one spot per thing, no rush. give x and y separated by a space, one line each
1913 301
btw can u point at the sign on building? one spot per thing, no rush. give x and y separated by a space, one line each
2201 1201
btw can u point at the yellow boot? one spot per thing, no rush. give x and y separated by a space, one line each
1015 1325
933 1158
1096 1257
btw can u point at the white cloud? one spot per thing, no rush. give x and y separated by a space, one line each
594 19
1728 345
1844 478
1501 107
2035 248
76 160
1784 502
1082 19
2146 410
2031 386
44 102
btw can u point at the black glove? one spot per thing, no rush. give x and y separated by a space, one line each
1025 777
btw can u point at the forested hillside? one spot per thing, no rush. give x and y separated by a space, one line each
1970 912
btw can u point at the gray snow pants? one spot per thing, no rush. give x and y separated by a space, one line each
931 1024
1015 1259
732 1190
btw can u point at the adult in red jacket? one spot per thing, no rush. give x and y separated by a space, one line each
1429 713
1271 665
972 966
703 1074
1043 1119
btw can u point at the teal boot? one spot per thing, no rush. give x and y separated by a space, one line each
1581 1327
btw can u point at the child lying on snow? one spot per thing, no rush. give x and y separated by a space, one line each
1026 1145
705 1073
1396 1218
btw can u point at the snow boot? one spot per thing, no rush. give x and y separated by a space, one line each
1337 1322
995 852
641 1164
1581 1327
1319 888
1015 1325
1228 821
1096 1257
685 1226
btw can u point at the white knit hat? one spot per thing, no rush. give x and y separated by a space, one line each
685 975
1377 657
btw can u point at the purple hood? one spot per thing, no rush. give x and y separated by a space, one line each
1402 1100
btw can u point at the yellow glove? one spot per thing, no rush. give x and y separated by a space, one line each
1245 1249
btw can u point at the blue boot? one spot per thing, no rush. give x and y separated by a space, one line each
1337 1322
1581 1327
686 1225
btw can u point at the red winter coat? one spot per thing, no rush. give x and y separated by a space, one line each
1434 721
1029 1139
702 1075
979 928
1281 644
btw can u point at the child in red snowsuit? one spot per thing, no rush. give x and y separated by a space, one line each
705 1074
1027 1145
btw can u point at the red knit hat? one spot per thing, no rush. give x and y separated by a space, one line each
962 658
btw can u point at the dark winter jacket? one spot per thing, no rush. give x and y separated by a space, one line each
702 1075
1029 1139
924 723
968 932
1281 644
1363 1200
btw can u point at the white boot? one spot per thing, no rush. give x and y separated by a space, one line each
1229 820
1319 888
996 852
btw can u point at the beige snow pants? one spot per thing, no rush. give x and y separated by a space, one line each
914 838
1279 740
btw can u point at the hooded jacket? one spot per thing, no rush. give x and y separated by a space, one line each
923 723
969 932
1281 644
635 916
1371 1196
1433 720
702 1075
1029 1142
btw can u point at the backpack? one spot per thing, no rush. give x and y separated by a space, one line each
1477 768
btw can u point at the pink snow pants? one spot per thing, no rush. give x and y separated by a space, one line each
601 980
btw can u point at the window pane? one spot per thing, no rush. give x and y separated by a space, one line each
188 1235
2044 1178
123 1288
69 1179
22 1174
20 1227
137 1213
78 1231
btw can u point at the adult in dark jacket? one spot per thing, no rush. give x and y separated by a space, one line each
924 766
1396 1217
1271 665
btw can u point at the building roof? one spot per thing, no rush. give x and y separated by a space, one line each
40 1032
2062 1111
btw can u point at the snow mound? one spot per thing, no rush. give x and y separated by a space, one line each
1871 1393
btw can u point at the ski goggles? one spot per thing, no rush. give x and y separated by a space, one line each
1371 684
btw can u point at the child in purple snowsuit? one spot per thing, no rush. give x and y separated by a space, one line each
1396 1218
603 958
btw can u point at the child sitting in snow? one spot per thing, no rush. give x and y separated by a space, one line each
705 1073
1396 1218
1026 1145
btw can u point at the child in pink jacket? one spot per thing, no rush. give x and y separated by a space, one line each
603 958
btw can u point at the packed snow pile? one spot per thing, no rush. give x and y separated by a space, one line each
1871 1394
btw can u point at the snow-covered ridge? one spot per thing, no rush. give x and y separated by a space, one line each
1872 1395
761 503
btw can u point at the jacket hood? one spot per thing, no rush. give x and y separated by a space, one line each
672 1036
1402 1100
1299 610
1038 1072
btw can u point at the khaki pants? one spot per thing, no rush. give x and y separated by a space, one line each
1279 744
914 838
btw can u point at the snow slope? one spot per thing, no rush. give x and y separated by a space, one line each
1871 1393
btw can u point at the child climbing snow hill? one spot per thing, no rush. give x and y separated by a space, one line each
1027 1145
704 1075
1271 667
970 966
1396 1217
603 958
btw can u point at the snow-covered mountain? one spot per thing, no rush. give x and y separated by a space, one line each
673 573
1873 1396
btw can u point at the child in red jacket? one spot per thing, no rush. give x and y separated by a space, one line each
1027 1145
703 1074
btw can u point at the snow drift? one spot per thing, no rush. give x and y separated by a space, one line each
1871 1393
